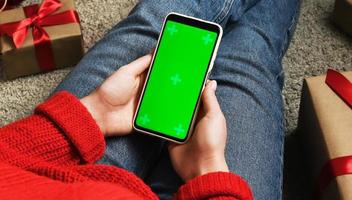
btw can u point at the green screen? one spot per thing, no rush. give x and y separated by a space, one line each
176 79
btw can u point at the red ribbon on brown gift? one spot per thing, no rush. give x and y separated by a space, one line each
37 18
340 84
341 165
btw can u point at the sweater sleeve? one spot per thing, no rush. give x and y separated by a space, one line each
217 185
61 132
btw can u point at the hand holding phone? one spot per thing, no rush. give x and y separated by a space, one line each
113 104
205 151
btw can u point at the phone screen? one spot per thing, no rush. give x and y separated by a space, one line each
174 85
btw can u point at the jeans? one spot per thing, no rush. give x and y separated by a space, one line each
249 73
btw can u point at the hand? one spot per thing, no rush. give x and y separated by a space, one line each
205 151
113 104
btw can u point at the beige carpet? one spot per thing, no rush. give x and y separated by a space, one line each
316 46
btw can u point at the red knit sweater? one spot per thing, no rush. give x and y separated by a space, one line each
51 155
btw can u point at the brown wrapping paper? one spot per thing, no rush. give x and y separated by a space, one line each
342 15
325 129
66 43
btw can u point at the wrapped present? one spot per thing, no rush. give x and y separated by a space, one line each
342 15
39 38
325 130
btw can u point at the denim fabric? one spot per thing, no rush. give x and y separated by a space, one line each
249 74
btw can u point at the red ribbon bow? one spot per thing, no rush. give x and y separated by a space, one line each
37 18
341 165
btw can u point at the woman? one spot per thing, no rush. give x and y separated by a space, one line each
249 73
50 155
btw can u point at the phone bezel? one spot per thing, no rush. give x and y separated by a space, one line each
180 18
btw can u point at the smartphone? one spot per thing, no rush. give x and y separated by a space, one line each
182 60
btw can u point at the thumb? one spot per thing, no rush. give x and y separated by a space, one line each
210 102
138 66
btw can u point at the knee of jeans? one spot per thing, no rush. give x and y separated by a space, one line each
213 10
159 9
251 48
218 10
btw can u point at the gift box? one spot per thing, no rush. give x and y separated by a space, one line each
325 131
39 38
342 15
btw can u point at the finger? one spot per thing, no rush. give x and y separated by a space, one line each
141 83
210 102
138 66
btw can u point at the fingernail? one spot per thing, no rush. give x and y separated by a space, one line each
214 84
